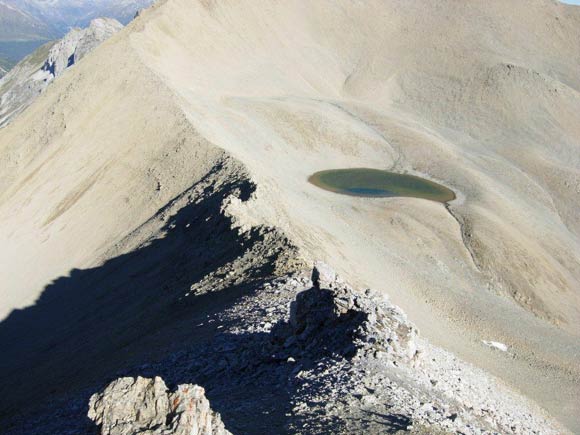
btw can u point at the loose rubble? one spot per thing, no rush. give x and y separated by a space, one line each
315 356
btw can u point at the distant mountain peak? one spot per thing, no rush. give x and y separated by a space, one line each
81 12
77 43
32 75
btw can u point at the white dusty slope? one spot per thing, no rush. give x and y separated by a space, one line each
480 96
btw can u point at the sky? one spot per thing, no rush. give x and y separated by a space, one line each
571 2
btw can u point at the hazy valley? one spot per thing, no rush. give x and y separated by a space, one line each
27 24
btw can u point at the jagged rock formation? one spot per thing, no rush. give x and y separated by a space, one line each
144 407
77 44
332 317
29 78
23 83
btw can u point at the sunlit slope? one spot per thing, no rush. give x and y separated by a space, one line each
485 98
482 97
88 163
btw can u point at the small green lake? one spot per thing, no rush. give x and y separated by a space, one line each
375 183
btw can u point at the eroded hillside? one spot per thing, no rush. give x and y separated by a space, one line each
482 97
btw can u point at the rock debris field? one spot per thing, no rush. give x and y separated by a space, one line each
302 355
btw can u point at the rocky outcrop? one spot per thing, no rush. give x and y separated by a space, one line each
22 85
327 318
142 406
78 43
333 318
324 366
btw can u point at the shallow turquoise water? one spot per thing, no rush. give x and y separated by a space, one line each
375 183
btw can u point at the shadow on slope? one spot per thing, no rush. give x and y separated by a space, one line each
95 322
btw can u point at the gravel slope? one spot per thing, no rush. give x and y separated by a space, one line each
489 108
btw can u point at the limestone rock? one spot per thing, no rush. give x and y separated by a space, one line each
142 406
323 276
78 43
332 317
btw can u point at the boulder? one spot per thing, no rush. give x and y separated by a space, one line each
323 276
141 406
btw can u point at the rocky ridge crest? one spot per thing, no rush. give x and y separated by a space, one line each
319 356
78 43
332 317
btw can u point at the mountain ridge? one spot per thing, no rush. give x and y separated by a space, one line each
30 77
37 20
101 168
16 24
61 15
